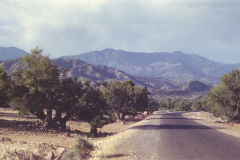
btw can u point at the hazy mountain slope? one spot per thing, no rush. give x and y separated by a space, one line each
82 69
11 52
79 68
194 89
175 66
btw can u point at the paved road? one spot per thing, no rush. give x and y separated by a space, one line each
173 137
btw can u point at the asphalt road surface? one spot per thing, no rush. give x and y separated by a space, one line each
171 136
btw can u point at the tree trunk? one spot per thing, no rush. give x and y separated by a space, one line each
123 116
56 122
93 131
48 120
64 120
118 115
238 112
41 115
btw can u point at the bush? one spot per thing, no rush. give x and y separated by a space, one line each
81 150
183 106
223 103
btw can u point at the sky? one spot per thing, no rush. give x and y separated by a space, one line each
209 28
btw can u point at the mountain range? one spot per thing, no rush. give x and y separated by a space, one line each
168 72
176 66
81 69
10 53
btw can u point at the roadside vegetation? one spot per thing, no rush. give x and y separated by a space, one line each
43 89
178 104
223 100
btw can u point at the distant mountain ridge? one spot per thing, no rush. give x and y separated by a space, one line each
10 53
174 66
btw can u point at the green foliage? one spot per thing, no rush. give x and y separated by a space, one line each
183 105
125 98
66 100
168 103
92 108
5 87
224 100
42 89
176 103
38 83
119 96
81 150
152 106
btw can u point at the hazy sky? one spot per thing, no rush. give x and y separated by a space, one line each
210 28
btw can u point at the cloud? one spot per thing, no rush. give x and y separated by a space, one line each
206 27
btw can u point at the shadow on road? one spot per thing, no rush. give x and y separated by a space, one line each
116 156
169 126
173 118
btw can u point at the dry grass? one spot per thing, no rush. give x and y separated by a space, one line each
220 124
106 148
12 150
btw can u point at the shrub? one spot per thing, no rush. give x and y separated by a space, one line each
81 150
183 106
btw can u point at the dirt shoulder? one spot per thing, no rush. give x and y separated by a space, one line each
219 124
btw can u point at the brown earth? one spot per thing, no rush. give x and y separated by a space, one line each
22 133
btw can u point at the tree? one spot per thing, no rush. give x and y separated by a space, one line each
120 97
66 100
152 105
125 98
93 109
5 87
218 101
38 83
43 89
183 105
224 100
232 83
141 99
